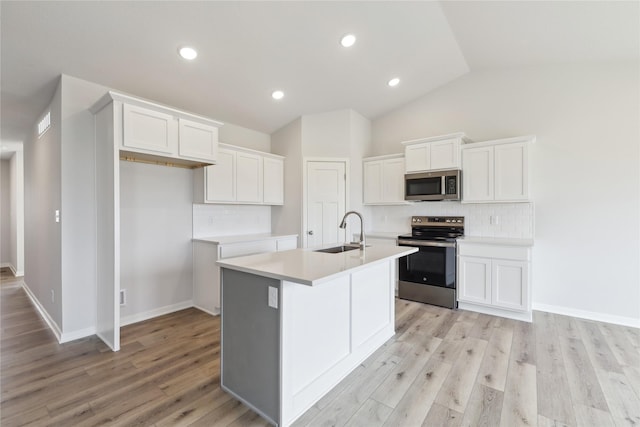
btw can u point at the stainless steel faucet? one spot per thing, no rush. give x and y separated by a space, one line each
343 225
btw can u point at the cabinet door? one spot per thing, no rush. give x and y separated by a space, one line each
417 157
372 182
273 181
474 279
477 174
149 130
445 154
197 141
248 178
220 178
510 287
393 180
511 172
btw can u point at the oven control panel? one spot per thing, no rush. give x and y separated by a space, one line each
437 220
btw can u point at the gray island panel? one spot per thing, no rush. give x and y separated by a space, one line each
251 347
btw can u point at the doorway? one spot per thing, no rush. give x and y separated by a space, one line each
325 201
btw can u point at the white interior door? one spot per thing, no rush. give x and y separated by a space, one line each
326 200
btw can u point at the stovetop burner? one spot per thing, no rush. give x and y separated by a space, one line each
440 228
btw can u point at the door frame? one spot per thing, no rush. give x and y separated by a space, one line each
347 184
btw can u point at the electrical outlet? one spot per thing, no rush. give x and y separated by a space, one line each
273 297
53 296
495 219
57 215
123 297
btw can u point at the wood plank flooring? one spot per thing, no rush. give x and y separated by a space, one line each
442 368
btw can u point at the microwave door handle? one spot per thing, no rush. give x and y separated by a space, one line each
442 185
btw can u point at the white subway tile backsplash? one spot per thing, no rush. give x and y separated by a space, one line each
230 220
514 220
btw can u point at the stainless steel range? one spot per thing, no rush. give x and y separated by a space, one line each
429 275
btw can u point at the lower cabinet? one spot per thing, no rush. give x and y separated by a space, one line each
495 279
206 273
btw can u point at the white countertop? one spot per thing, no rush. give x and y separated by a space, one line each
311 268
506 241
226 240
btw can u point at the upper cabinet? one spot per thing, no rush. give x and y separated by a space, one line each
197 140
241 176
153 132
435 153
496 171
383 180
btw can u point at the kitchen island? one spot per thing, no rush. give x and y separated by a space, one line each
295 323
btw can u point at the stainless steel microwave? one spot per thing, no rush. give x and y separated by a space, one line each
432 186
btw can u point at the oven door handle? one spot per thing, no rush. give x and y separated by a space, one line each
426 243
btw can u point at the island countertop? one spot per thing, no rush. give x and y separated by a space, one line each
311 268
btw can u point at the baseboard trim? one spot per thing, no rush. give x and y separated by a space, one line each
43 312
588 315
10 266
524 316
211 312
140 317
76 335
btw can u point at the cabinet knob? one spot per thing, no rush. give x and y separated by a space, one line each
310 232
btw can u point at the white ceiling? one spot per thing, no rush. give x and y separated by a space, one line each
248 49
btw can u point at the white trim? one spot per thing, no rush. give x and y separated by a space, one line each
43 312
75 335
347 195
139 317
215 312
588 315
10 266
525 316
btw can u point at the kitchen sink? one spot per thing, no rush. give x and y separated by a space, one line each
338 249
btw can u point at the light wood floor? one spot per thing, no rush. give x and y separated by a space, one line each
442 368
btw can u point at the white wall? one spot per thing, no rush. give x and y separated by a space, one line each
585 171
244 137
16 171
78 206
155 237
5 212
42 196
287 141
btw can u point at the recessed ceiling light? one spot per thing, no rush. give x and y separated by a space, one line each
277 94
348 40
188 53
393 82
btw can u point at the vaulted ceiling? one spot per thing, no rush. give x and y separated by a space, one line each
248 49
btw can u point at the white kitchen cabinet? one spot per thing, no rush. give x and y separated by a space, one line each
149 130
221 178
273 180
241 176
383 181
435 153
477 174
494 278
248 178
206 273
197 141
155 133
496 171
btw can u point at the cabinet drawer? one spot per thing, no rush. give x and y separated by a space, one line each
249 248
518 253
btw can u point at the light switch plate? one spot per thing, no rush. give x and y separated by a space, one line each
273 297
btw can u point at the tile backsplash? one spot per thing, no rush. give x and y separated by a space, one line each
230 220
515 220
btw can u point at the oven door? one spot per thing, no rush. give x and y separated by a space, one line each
433 264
